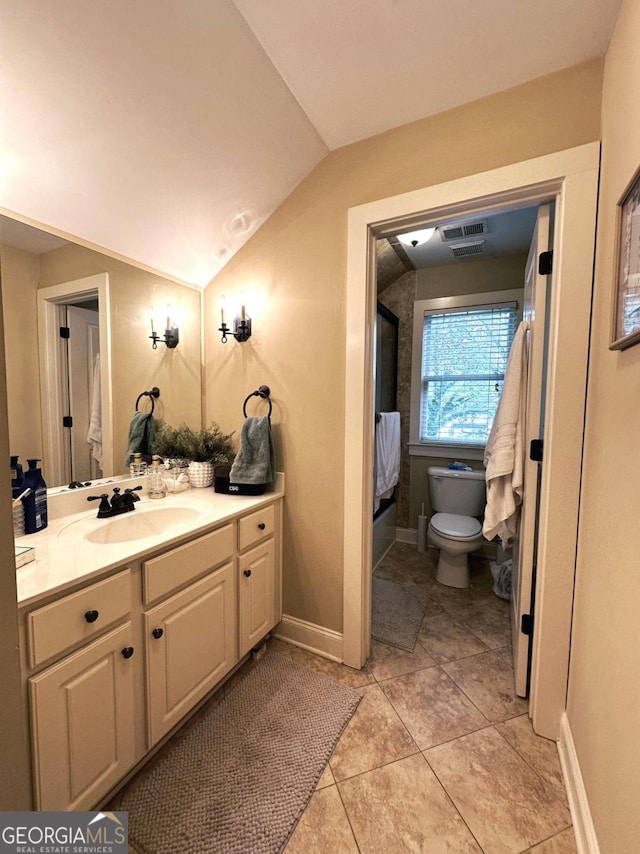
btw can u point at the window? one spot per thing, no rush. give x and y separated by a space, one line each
463 352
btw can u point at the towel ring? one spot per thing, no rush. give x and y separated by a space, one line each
264 391
154 393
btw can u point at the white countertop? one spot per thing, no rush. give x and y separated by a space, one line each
64 555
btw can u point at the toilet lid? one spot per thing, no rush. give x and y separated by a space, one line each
452 525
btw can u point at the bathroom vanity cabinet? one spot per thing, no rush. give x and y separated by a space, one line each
114 665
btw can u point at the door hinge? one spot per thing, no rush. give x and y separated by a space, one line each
64 332
526 625
67 421
545 263
536 450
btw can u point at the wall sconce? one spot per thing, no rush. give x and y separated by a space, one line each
170 336
241 323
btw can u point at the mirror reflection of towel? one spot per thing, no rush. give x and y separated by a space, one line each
255 462
142 432
94 436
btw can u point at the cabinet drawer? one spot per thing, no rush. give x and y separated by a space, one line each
255 527
177 567
77 617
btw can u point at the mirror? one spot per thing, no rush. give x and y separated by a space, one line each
38 269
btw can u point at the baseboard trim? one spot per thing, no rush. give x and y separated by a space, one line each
309 636
583 827
382 557
407 535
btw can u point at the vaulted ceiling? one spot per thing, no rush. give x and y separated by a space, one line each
168 132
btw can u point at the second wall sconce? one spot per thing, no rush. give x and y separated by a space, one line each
241 324
170 336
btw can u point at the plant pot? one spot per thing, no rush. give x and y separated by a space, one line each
200 474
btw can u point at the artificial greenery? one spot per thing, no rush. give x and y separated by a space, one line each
209 444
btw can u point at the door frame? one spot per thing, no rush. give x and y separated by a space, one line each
570 178
49 301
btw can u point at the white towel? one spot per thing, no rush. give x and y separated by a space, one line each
504 452
387 455
94 435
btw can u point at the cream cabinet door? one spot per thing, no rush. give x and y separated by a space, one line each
257 595
82 723
190 646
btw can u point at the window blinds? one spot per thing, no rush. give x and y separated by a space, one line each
464 358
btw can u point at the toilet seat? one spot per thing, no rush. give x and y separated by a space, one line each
456 527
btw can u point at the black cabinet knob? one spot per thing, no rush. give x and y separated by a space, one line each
91 616
157 633
127 652
247 572
261 525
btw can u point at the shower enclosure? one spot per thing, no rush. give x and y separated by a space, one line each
386 390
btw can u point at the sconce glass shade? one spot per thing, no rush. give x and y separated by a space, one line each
416 238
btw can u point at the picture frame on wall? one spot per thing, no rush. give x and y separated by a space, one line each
625 326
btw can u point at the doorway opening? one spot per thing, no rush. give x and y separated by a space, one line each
459 293
75 369
569 179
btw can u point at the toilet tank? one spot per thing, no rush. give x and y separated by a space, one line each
453 491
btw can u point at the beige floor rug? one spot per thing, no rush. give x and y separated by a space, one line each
396 613
241 777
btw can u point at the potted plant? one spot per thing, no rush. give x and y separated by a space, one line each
202 448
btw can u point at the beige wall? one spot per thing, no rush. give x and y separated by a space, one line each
20 272
604 676
136 366
472 277
294 271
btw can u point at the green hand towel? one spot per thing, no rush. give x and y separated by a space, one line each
255 462
142 432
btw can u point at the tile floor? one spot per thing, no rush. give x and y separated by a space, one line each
440 755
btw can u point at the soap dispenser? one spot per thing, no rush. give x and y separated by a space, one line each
35 504
17 477
156 478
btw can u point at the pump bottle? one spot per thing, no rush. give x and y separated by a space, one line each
35 504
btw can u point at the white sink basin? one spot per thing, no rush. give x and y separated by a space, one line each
137 525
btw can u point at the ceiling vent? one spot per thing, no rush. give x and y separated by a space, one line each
462 250
457 232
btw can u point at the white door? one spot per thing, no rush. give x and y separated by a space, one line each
83 347
524 548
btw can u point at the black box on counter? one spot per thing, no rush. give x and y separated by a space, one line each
222 484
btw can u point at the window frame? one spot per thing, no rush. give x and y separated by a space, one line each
488 299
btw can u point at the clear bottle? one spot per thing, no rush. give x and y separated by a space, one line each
156 478
137 466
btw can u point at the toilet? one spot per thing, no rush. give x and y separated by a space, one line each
457 497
